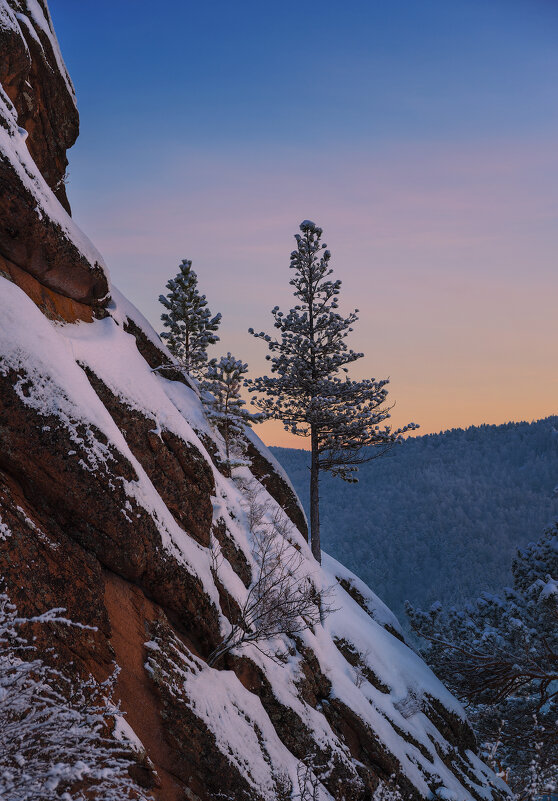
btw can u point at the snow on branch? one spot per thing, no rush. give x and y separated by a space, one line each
282 600
55 740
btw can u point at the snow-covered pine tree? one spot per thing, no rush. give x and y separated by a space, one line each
499 654
191 328
342 417
223 380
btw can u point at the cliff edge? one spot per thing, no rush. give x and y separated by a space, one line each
113 505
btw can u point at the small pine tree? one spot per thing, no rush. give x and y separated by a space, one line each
191 327
224 379
342 417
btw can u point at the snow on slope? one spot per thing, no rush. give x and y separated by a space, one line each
51 382
393 704
269 457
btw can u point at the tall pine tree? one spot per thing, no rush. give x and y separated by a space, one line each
342 417
191 328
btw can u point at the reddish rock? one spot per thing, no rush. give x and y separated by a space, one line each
63 575
52 304
89 505
277 488
131 617
36 244
29 238
30 77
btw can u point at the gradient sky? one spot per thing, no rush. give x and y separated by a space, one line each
422 137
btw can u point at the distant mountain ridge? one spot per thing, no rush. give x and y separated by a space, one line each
442 517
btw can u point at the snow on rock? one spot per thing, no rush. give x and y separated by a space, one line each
122 311
113 464
43 21
123 732
13 148
360 592
8 20
38 123
50 381
4 530
355 668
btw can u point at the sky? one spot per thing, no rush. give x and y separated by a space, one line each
420 136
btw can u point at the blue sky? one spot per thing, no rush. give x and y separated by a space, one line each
420 135
313 74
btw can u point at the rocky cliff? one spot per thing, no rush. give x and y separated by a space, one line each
113 506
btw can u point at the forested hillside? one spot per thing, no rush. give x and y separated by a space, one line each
442 516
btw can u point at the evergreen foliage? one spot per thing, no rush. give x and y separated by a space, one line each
191 328
344 418
499 654
225 407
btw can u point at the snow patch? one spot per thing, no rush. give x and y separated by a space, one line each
14 150
45 24
5 532
124 733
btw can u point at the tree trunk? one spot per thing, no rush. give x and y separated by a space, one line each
315 499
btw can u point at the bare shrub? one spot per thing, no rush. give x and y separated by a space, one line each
316 772
308 783
388 791
361 668
54 736
283 786
281 599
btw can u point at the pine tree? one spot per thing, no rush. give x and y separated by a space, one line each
499 654
342 417
191 327
223 381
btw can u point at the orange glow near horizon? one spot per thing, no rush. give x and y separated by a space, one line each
274 435
429 159
448 253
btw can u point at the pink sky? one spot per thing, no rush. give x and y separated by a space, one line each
448 251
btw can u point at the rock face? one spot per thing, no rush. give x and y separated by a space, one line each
38 122
111 506
34 79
